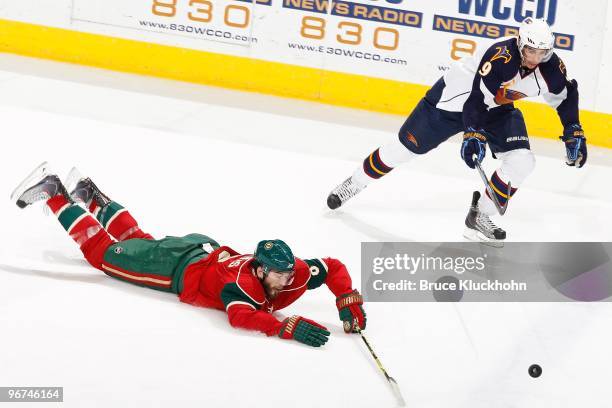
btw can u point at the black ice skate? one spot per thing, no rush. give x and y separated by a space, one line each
343 192
40 185
480 228
83 190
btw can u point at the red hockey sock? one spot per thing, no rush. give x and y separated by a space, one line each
119 222
82 228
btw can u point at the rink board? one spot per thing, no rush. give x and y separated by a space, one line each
185 64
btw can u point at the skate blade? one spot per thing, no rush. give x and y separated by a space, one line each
37 174
477 236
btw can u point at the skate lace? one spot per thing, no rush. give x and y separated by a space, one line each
486 222
82 194
347 189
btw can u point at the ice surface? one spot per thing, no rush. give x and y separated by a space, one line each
244 167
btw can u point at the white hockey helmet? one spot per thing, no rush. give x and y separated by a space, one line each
536 33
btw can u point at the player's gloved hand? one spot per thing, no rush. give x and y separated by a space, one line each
474 143
304 330
351 311
575 146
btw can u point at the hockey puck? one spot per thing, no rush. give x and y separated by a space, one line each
454 294
535 370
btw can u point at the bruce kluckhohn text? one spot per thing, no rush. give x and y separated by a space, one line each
465 285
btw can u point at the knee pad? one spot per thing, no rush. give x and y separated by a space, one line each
381 161
395 153
516 166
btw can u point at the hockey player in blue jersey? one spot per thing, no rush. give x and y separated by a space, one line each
476 97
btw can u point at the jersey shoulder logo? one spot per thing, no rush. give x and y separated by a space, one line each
502 53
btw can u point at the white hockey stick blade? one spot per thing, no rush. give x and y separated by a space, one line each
397 392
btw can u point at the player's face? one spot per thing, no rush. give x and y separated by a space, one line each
276 281
533 56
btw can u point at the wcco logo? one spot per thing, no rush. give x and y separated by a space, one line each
517 9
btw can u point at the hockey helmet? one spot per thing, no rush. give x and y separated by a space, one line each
274 255
536 33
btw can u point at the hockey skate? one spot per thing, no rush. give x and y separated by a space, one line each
83 190
480 228
41 184
341 194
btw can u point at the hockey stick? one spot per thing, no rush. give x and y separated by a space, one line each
391 380
500 208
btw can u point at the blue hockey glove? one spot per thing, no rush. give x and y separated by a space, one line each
474 143
575 146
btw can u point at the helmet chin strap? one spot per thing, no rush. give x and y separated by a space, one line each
524 64
521 47
524 61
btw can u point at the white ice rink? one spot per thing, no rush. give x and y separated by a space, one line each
243 167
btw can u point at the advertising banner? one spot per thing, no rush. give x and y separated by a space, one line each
410 42
405 40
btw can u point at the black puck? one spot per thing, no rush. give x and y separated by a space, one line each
535 370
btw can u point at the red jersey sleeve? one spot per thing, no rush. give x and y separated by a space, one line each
245 317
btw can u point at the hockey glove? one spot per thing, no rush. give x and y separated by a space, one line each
351 311
304 330
474 143
575 146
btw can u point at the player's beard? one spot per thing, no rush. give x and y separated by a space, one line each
271 291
